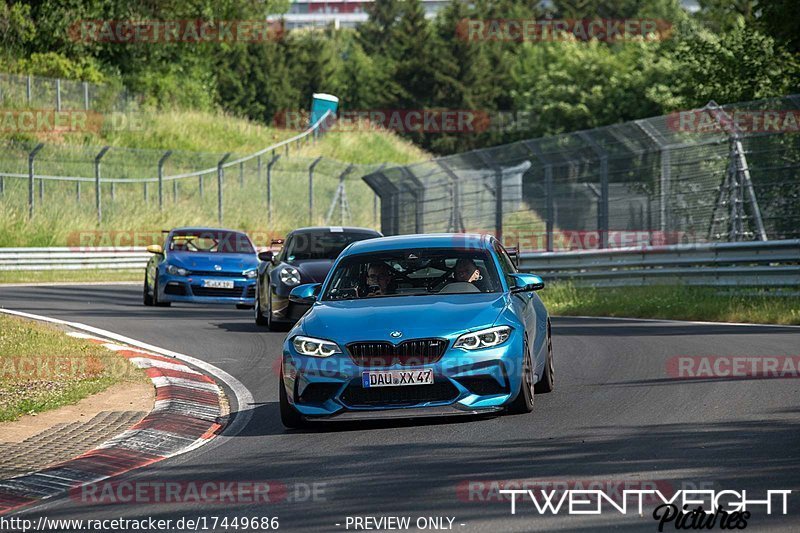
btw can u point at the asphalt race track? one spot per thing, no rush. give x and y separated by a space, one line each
616 414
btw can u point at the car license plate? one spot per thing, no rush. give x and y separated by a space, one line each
396 378
218 283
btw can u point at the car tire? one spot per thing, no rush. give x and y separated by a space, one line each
271 324
146 298
290 417
523 403
156 302
261 320
547 383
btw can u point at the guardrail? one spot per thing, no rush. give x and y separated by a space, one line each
751 264
19 259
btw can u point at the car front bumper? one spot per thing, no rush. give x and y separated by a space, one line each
465 382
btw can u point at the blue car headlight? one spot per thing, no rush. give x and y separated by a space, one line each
250 274
485 338
315 347
177 271
290 276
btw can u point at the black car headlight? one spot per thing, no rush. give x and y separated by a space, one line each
250 274
315 347
177 271
290 276
485 338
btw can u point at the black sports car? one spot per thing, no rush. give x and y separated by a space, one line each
306 257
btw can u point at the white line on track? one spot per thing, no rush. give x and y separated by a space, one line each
244 399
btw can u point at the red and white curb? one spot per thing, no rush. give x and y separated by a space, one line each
190 410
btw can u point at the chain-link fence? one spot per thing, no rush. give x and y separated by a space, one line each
20 91
729 173
111 189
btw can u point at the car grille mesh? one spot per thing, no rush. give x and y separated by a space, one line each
412 352
357 396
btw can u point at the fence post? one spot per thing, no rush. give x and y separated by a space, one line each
97 191
498 193
274 160
29 89
311 190
78 191
241 175
602 209
161 179
374 197
665 156
144 191
31 156
551 212
58 94
220 176
85 96
174 191
200 185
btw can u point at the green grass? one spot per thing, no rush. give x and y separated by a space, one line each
66 276
60 219
677 303
41 368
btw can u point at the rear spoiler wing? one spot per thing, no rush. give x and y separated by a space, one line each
513 253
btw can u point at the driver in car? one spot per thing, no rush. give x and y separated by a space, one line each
466 271
379 280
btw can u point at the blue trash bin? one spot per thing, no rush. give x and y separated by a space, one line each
321 104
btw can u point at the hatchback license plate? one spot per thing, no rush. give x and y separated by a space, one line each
218 283
396 378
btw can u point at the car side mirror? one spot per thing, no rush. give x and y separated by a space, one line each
266 255
155 249
305 294
526 283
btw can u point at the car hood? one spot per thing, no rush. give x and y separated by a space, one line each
414 316
208 262
313 270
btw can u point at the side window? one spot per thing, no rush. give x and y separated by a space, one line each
506 265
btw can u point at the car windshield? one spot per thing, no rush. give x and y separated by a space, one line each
211 241
413 273
321 244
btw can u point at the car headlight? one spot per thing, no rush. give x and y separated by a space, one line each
484 338
177 271
250 274
290 276
315 347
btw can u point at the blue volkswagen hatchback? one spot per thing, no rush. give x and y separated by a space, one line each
417 325
202 265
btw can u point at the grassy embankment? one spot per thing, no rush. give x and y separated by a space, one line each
41 368
677 303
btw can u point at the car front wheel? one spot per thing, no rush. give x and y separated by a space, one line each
289 415
523 403
261 320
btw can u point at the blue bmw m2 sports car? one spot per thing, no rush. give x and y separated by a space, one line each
417 325
202 265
